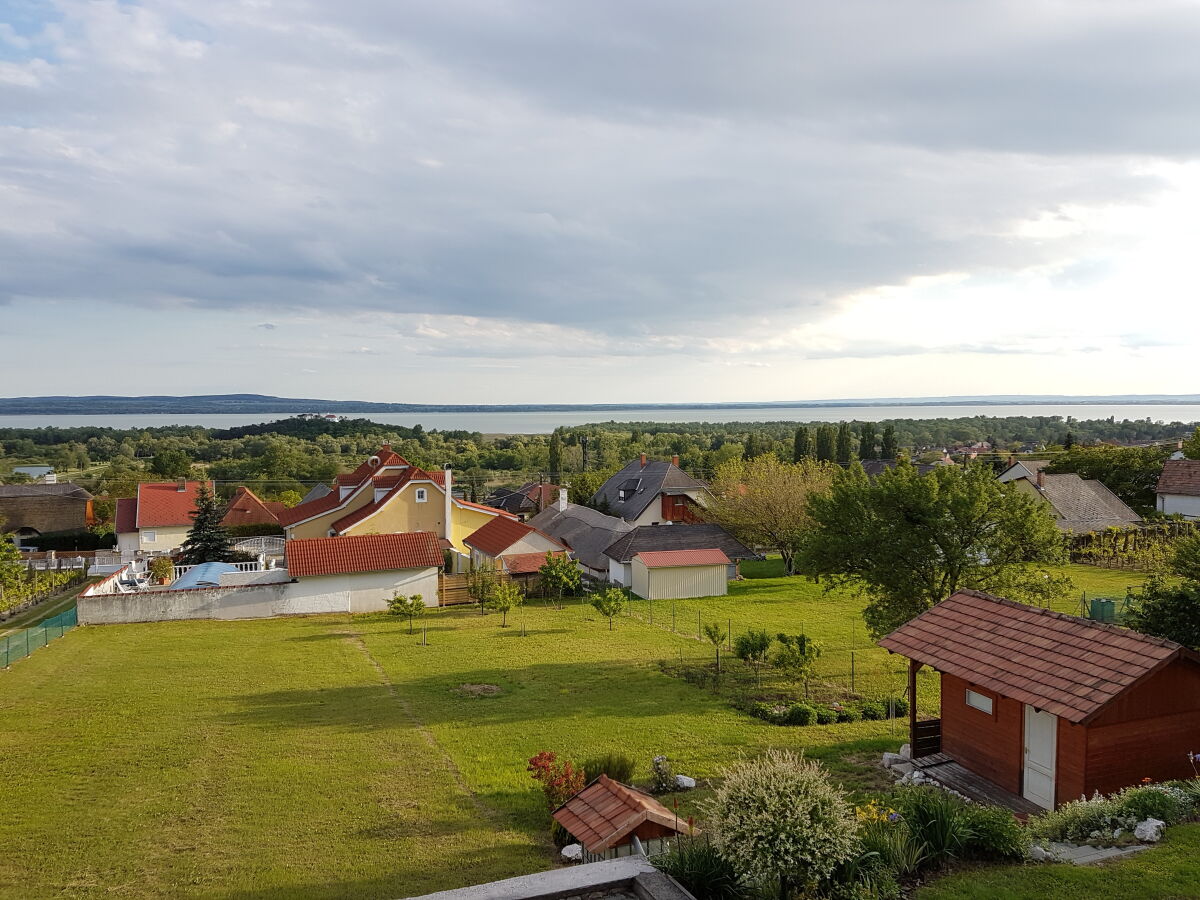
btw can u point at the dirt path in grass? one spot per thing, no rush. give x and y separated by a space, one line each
482 808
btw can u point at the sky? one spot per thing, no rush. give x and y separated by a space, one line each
520 201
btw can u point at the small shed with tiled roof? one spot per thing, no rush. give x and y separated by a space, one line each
362 572
680 574
1178 488
1046 706
606 816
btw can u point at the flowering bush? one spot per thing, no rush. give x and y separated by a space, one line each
560 781
662 777
779 818
1103 820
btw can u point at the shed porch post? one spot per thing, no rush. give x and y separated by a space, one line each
913 668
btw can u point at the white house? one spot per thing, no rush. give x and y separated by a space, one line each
1179 488
652 492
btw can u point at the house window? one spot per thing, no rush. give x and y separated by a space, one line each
149 537
422 495
981 702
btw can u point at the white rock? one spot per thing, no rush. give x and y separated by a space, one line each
1037 854
890 759
684 783
902 768
1149 830
572 853
906 751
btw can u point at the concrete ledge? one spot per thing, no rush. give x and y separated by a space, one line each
631 874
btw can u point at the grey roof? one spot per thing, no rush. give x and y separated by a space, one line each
678 537
876 467
63 489
34 471
1083 505
587 532
1023 468
641 484
318 491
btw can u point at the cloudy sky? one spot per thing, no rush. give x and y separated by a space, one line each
599 200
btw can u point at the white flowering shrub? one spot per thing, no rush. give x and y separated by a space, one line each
779 818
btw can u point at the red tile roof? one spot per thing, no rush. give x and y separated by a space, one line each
524 563
164 504
497 535
1067 666
467 504
663 559
126 515
606 814
1180 476
303 511
245 508
362 553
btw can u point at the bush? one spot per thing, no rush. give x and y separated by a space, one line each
995 834
826 715
800 714
848 714
894 845
1082 821
900 706
936 818
1165 802
780 819
873 710
775 713
616 766
161 568
559 836
65 541
703 871
662 776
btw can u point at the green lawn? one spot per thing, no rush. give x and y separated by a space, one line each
1168 872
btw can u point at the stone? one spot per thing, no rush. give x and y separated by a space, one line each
903 768
906 751
890 759
684 783
1038 854
572 853
1149 830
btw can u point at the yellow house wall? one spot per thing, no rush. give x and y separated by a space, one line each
464 523
403 513
166 539
319 527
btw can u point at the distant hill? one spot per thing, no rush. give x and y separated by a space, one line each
206 404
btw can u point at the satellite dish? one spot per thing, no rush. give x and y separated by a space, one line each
373 462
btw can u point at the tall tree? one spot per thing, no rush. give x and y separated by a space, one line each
907 541
888 446
845 447
826 438
556 457
1191 447
866 441
207 540
171 464
764 501
802 446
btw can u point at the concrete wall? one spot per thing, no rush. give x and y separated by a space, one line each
1179 503
364 592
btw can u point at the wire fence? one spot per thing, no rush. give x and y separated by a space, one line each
20 644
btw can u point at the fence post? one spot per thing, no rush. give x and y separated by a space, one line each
672 615
698 635
852 671
651 602
729 634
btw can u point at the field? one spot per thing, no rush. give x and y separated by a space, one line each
337 756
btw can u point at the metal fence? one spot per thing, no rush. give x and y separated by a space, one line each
20 644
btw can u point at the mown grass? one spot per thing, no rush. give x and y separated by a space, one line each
1168 872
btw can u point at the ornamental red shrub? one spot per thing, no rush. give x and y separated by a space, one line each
560 781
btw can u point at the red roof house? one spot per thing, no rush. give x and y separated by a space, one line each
1179 488
1038 708
606 816
362 553
245 508
504 537
163 505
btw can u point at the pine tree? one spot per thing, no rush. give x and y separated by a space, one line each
1069 441
845 448
866 441
888 448
753 448
825 441
556 446
803 445
207 541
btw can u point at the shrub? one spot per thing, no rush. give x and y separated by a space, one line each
995 834
559 836
894 845
873 710
800 714
779 818
560 781
826 715
162 568
936 818
616 766
900 706
848 714
775 713
865 877
1082 821
1165 802
702 870
662 776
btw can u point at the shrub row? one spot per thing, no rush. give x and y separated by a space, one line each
1107 820
801 713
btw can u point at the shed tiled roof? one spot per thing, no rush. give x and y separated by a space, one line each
1180 476
1061 664
126 515
524 563
665 559
310 508
61 489
605 813
161 505
646 538
362 553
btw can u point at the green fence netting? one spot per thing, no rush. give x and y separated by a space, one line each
21 643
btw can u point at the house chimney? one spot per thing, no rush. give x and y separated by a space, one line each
562 500
182 486
449 502
643 460
675 461
1012 460
1041 480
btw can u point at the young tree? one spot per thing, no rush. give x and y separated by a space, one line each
1191 447
866 441
797 655
779 819
1170 611
207 540
410 607
482 581
845 448
888 446
752 648
559 575
826 439
908 541
609 602
802 446
764 502
505 598
716 636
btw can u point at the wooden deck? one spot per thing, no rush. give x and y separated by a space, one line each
944 770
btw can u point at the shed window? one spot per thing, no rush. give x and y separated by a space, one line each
981 702
422 495
149 537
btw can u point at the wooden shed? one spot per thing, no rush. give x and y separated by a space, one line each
679 574
606 816
1039 708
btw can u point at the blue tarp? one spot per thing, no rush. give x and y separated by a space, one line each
204 575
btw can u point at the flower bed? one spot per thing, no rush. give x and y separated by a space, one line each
801 713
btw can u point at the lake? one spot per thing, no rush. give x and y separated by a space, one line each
544 422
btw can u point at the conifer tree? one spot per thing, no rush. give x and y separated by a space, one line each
845 450
888 448
866 441
556 457
207 541
825 441
803 445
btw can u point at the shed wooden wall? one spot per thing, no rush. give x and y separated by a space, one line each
988 745
1146 732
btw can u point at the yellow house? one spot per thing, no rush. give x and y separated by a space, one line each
388 495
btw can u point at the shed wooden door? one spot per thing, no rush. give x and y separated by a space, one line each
1041 750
